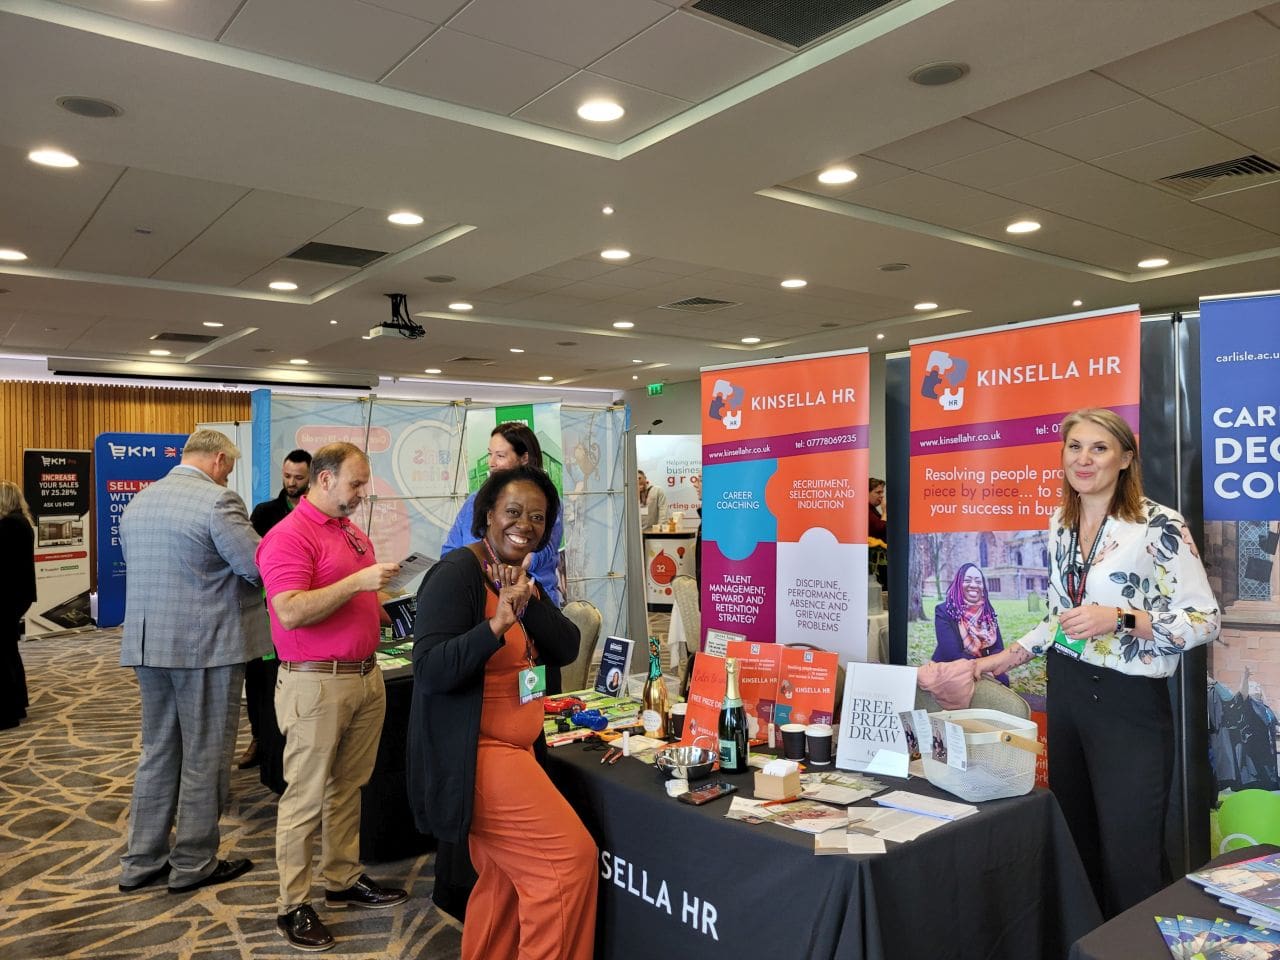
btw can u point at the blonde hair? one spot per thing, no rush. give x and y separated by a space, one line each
13 502
210 443
1126 500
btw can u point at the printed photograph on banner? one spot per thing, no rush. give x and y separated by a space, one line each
986 476
784 453
1240 420
672 464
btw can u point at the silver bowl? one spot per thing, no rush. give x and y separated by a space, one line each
684 762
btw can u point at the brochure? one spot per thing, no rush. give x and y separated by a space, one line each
839 788
412 566
807 816
1250 886
615 664
759 665
806 686
928 806
706 694
871 735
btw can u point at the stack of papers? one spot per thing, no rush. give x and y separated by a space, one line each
840 788
806 816
1251 886
1192 938
926 806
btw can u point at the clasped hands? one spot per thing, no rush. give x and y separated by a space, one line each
514 589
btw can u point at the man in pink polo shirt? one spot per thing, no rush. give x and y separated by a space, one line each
322 580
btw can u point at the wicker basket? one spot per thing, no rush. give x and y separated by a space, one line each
996 767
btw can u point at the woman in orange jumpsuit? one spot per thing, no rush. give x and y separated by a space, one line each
484 638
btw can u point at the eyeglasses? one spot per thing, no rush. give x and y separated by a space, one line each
352 540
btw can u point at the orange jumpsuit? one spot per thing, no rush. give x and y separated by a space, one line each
536 894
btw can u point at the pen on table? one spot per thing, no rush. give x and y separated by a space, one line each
774 803
617 755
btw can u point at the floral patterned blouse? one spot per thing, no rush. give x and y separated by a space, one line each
1150 566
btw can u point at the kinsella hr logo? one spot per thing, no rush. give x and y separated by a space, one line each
726 404
943 376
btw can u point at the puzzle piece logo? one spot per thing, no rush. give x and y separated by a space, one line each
943 377
726 404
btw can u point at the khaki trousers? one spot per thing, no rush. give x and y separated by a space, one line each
332 724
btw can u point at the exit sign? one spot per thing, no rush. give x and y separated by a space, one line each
655 389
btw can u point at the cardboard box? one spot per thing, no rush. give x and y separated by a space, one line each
777 788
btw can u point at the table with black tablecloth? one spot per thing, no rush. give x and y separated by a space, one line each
386 823
1134 936
683 881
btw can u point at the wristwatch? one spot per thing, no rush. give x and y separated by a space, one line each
1125 620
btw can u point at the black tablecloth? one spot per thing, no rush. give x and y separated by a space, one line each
386 824
1005 883
1134 936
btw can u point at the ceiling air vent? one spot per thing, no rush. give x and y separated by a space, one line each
698 305
485 361
336 255
1217 179
183 338
796 23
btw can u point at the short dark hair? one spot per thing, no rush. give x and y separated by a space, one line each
332 456
498 481
522 441
873 482
298 456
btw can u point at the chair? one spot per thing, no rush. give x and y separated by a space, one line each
1248 818
584 615
686 623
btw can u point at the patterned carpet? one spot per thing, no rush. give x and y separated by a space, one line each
65 780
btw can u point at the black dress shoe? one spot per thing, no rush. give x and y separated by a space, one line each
303 929
366 894
224 871
250 757
155 876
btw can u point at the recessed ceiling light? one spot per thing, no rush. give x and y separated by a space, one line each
637 361
607 211
837 175
405 218
1022 226
12 255
212 323
795 283
600 111
517 349
938 74
615 253
879 336
299 362
623 324
461 306
1152 262
282 285
333 323
365 336
159 353
49 157
89 107
1077 303
750 339
546 379
926 305
432 370
634 377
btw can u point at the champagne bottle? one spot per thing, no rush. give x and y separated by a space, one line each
656 702
734 750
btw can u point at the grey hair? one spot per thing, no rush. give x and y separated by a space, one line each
211 443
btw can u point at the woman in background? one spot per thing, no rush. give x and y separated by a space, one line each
17 593
965 623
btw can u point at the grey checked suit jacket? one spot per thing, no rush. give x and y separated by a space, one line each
191 595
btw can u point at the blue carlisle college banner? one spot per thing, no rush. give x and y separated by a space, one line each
125 463
1240 415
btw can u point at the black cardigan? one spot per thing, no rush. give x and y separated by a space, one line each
452 643
17 566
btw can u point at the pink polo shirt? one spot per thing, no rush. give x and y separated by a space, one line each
308 550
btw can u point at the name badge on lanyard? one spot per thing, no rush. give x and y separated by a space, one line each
532 682
1076 576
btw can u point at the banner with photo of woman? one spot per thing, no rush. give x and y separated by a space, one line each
986 474
784 488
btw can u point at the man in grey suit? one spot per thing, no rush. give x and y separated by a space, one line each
193 616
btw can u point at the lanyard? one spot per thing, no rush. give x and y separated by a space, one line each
497 584
1075 587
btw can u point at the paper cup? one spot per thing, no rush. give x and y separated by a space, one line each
678 711
793 741
818 743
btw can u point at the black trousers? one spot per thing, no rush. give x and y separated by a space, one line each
1110 764
13 675
259 678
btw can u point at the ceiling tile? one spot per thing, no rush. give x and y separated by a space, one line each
310 278
174 209
370 230
436 11
1228 95
1166 157
674 267
539 26
1084 242
43 209
557 108
870 172
689 57
1111 131
1259 206
476 72
953 140
1056 104
348 37
588 290
1224 237
635 278
204 19
1196 56
1271 13
1012 160
1098 196
922 197
532 284
578 269
1260 131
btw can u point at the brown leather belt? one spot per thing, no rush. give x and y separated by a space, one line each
331 666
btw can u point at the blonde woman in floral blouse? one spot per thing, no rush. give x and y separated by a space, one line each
1127 595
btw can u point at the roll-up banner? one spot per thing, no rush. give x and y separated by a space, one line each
125 463
56 487
784 485
1240 422
986 474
